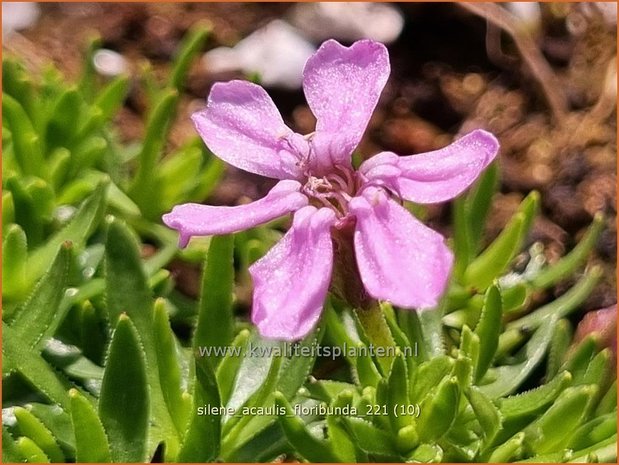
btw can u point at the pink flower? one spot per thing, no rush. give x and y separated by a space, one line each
398 258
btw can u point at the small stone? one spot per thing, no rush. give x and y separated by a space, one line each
277 53
348 21
18 15
109 63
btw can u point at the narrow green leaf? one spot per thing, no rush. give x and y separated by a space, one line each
535 400
31 427
143 190
60 129
488 330
568 264
26 143
111 98
593 432
215 318
39 316
370 438
509 377
169 364
81 226
26 214
427 453
124 403
305 443
438 410
608 403
559 344
429 375
553 429
17 356
497 257
397 393
202 440
189 48
31 451
14 256
228 368
127 291
508 451
10 451
91 444
562 306
488 415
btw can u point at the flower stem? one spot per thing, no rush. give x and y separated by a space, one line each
377 330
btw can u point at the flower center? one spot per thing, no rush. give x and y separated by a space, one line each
334 190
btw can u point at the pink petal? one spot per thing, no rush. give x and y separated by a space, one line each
438 175
291 281
192 219
342 86
399 259
242 126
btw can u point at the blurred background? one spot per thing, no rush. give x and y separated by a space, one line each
541 76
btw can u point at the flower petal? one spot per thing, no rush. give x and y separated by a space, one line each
291 281
242 126
438 175
400 259
192 219
342 86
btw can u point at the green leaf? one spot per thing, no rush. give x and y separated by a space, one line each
215 318
488 330
169 364
608 403
124 403
562 306
397 393
81 226
305 443
31 427
58 422
10 451
127 291
26 142
91 444
39 317
143 190
568 264
559 344
469 217
535 400
26 214
438 410
427 453
508 451
552 430
189 48
593 432
111 98
14 256
488 415
202 440
509 377
429 375
229 366
31 451
497 257
18 356
370 438
60 128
